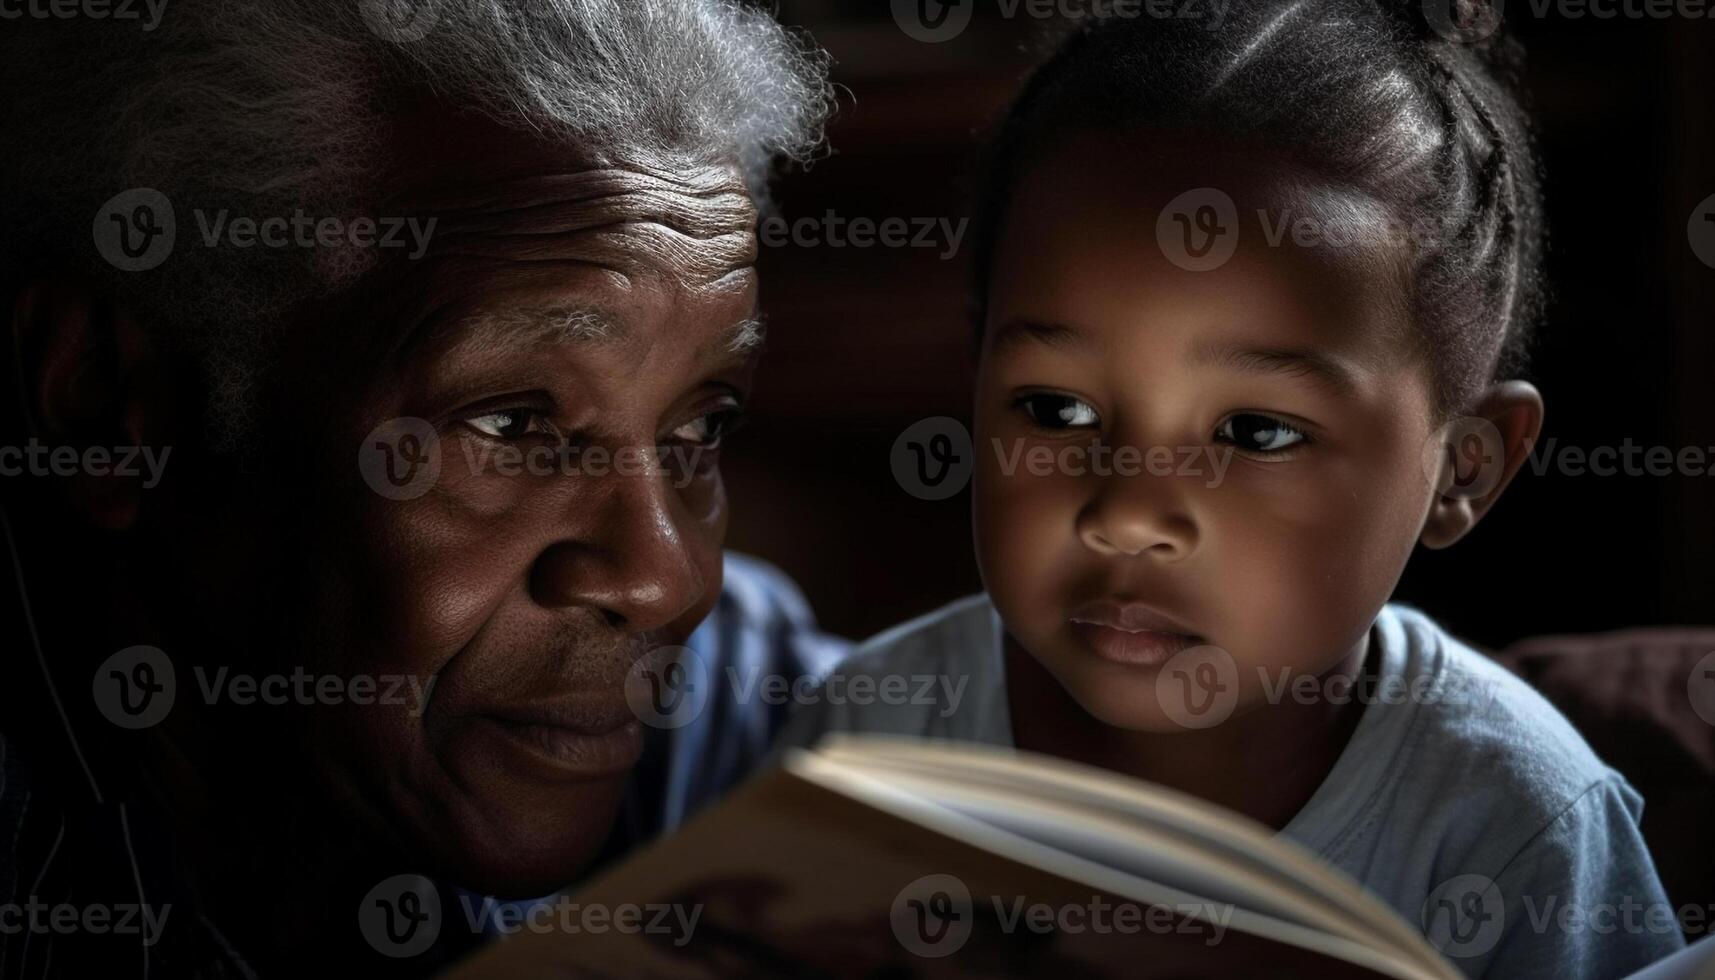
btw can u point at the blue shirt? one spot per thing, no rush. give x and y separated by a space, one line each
1464 800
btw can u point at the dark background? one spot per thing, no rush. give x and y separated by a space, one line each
864 342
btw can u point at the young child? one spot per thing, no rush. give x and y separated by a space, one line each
1237 288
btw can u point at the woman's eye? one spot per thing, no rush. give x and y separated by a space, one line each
707 430
1259 433
510 423
1051 411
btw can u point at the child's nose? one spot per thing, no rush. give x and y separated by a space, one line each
1138 515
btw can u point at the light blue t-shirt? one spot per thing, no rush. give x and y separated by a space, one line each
1464 800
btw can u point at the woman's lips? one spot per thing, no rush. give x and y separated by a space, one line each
1131 634
572 752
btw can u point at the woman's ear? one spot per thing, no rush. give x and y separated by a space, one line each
1476 456
88 386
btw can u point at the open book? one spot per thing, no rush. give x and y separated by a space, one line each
887 857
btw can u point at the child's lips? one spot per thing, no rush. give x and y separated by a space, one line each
1131 633
1131 617
1140 648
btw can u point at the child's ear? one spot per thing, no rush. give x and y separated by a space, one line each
1479 454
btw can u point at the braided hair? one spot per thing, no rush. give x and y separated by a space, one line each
1418 111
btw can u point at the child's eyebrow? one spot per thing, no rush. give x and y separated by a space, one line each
1334 373
1053 334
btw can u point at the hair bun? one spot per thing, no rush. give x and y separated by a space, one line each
1471 22
1476 26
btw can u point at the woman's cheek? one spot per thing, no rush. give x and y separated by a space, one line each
702 493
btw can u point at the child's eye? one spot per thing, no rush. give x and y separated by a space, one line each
1259 433
1054 411
710 428
511 423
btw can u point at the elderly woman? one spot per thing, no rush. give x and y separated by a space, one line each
374 361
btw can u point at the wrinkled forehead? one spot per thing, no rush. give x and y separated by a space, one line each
522 221
694 225
532 196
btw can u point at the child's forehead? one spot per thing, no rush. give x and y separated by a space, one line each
1110 231
1103 244
1135 176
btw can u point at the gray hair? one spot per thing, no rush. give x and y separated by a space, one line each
265 108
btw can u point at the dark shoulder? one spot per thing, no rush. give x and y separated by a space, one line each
15 799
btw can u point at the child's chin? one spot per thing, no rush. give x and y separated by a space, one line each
1129 707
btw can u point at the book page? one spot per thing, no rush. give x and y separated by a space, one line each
789 878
